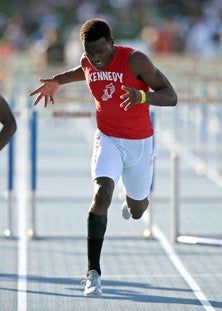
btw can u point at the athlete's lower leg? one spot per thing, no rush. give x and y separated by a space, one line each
97 220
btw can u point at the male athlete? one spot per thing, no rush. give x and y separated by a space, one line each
120 80
8 122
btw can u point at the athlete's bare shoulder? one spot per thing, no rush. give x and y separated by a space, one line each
140 62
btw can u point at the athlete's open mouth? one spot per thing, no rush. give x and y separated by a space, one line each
98 65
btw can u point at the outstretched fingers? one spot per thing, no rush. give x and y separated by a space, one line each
46 90
36 91
47 100
37 99
51 99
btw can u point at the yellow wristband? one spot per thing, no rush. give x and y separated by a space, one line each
143 94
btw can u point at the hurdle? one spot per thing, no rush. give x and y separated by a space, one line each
148 232
191 133
9 192
32 232
175 235
33 156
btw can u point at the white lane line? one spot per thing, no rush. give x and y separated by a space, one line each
21 189
181 269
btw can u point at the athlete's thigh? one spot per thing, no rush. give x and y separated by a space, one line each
106 159
137 179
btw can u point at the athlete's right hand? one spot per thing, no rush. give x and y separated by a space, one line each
47 90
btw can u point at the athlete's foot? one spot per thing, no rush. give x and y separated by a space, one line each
92 284
125 211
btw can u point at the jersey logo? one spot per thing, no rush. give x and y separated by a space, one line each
108 91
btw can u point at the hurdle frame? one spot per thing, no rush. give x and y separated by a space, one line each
9 196
33 156
175 235
148 231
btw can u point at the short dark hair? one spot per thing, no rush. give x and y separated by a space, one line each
94 29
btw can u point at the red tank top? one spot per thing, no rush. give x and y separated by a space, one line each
105 86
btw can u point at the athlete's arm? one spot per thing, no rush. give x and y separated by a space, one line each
69 76
163 93
7 119
50 86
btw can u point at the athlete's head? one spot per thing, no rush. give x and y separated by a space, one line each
97 41
94 29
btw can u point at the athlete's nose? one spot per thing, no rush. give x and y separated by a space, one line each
96 57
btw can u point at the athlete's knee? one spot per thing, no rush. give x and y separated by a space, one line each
103 191
103 195
138 213
137 208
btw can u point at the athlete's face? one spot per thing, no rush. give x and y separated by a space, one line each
99 53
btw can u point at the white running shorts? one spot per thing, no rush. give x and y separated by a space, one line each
130 159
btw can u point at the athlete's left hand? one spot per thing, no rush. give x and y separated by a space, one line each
131 97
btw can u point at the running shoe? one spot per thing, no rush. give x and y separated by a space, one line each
92 284
125 211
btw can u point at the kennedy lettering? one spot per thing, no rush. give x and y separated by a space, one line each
106 76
